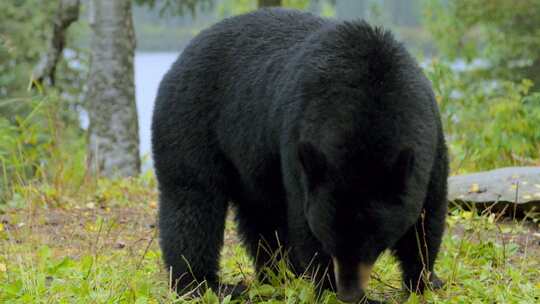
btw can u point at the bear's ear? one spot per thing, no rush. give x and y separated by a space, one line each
313 162
403 168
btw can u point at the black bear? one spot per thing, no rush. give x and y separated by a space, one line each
325 136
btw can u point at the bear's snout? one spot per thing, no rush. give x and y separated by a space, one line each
351 279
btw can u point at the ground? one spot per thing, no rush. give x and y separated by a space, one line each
102 248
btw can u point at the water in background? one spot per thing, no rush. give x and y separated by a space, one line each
149 69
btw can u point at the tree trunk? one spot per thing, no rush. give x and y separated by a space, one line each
113 138
67 13
265 3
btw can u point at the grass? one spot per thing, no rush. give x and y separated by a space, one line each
100 246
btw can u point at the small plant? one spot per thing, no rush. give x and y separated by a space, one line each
42 146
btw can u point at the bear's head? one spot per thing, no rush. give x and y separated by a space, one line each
357 207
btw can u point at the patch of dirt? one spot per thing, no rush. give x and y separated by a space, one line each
78 231
75 232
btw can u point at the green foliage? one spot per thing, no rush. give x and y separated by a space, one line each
505 34
42 145
490 109
39 134
488 124
22 40
90 278
25 28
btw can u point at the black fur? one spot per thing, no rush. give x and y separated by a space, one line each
324 135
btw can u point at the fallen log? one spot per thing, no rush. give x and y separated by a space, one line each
517 188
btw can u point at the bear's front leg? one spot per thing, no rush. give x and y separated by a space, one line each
263 231
417 250
306 254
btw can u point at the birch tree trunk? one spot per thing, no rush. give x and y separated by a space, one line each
113 138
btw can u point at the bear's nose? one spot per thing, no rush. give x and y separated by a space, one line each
351 279
350 296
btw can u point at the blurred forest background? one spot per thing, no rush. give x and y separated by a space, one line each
481 55
77 85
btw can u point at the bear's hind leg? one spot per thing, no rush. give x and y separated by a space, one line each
191 223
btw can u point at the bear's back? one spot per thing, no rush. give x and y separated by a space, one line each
263 31
234 58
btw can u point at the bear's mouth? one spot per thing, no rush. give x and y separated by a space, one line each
351 279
